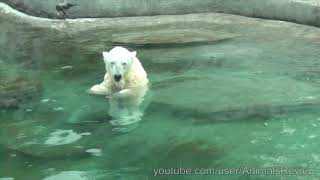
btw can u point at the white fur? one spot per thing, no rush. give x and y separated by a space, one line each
133 74
126 94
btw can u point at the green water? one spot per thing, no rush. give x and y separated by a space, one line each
251 101
169 136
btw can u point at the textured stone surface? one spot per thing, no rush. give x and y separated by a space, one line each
17 92
270 63
16 89
203 68
302 11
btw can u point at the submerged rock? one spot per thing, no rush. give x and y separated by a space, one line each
17 92
71 175
61 137
239 69
209 62
188 154
41 143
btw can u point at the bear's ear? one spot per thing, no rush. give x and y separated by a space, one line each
133 54
105 54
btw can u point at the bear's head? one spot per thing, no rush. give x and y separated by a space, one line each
118 62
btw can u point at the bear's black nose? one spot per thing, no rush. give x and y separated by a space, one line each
117 77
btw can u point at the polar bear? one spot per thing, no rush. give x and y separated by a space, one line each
125 83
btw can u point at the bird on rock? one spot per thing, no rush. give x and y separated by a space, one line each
62 9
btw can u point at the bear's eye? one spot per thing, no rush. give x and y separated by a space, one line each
124 63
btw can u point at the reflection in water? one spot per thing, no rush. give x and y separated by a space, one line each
215 105
61 137
71 175
126 84
94 152
126 110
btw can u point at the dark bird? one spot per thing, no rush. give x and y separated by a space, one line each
62 9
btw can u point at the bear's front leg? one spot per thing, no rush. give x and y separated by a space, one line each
124 93
102 88
98 89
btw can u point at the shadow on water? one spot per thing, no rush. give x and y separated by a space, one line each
171 154
249 114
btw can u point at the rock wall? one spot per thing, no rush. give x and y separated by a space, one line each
301 11
249 63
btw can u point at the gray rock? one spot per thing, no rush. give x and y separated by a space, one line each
16 90
302 11
29 139
16 93
225 67
265 59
